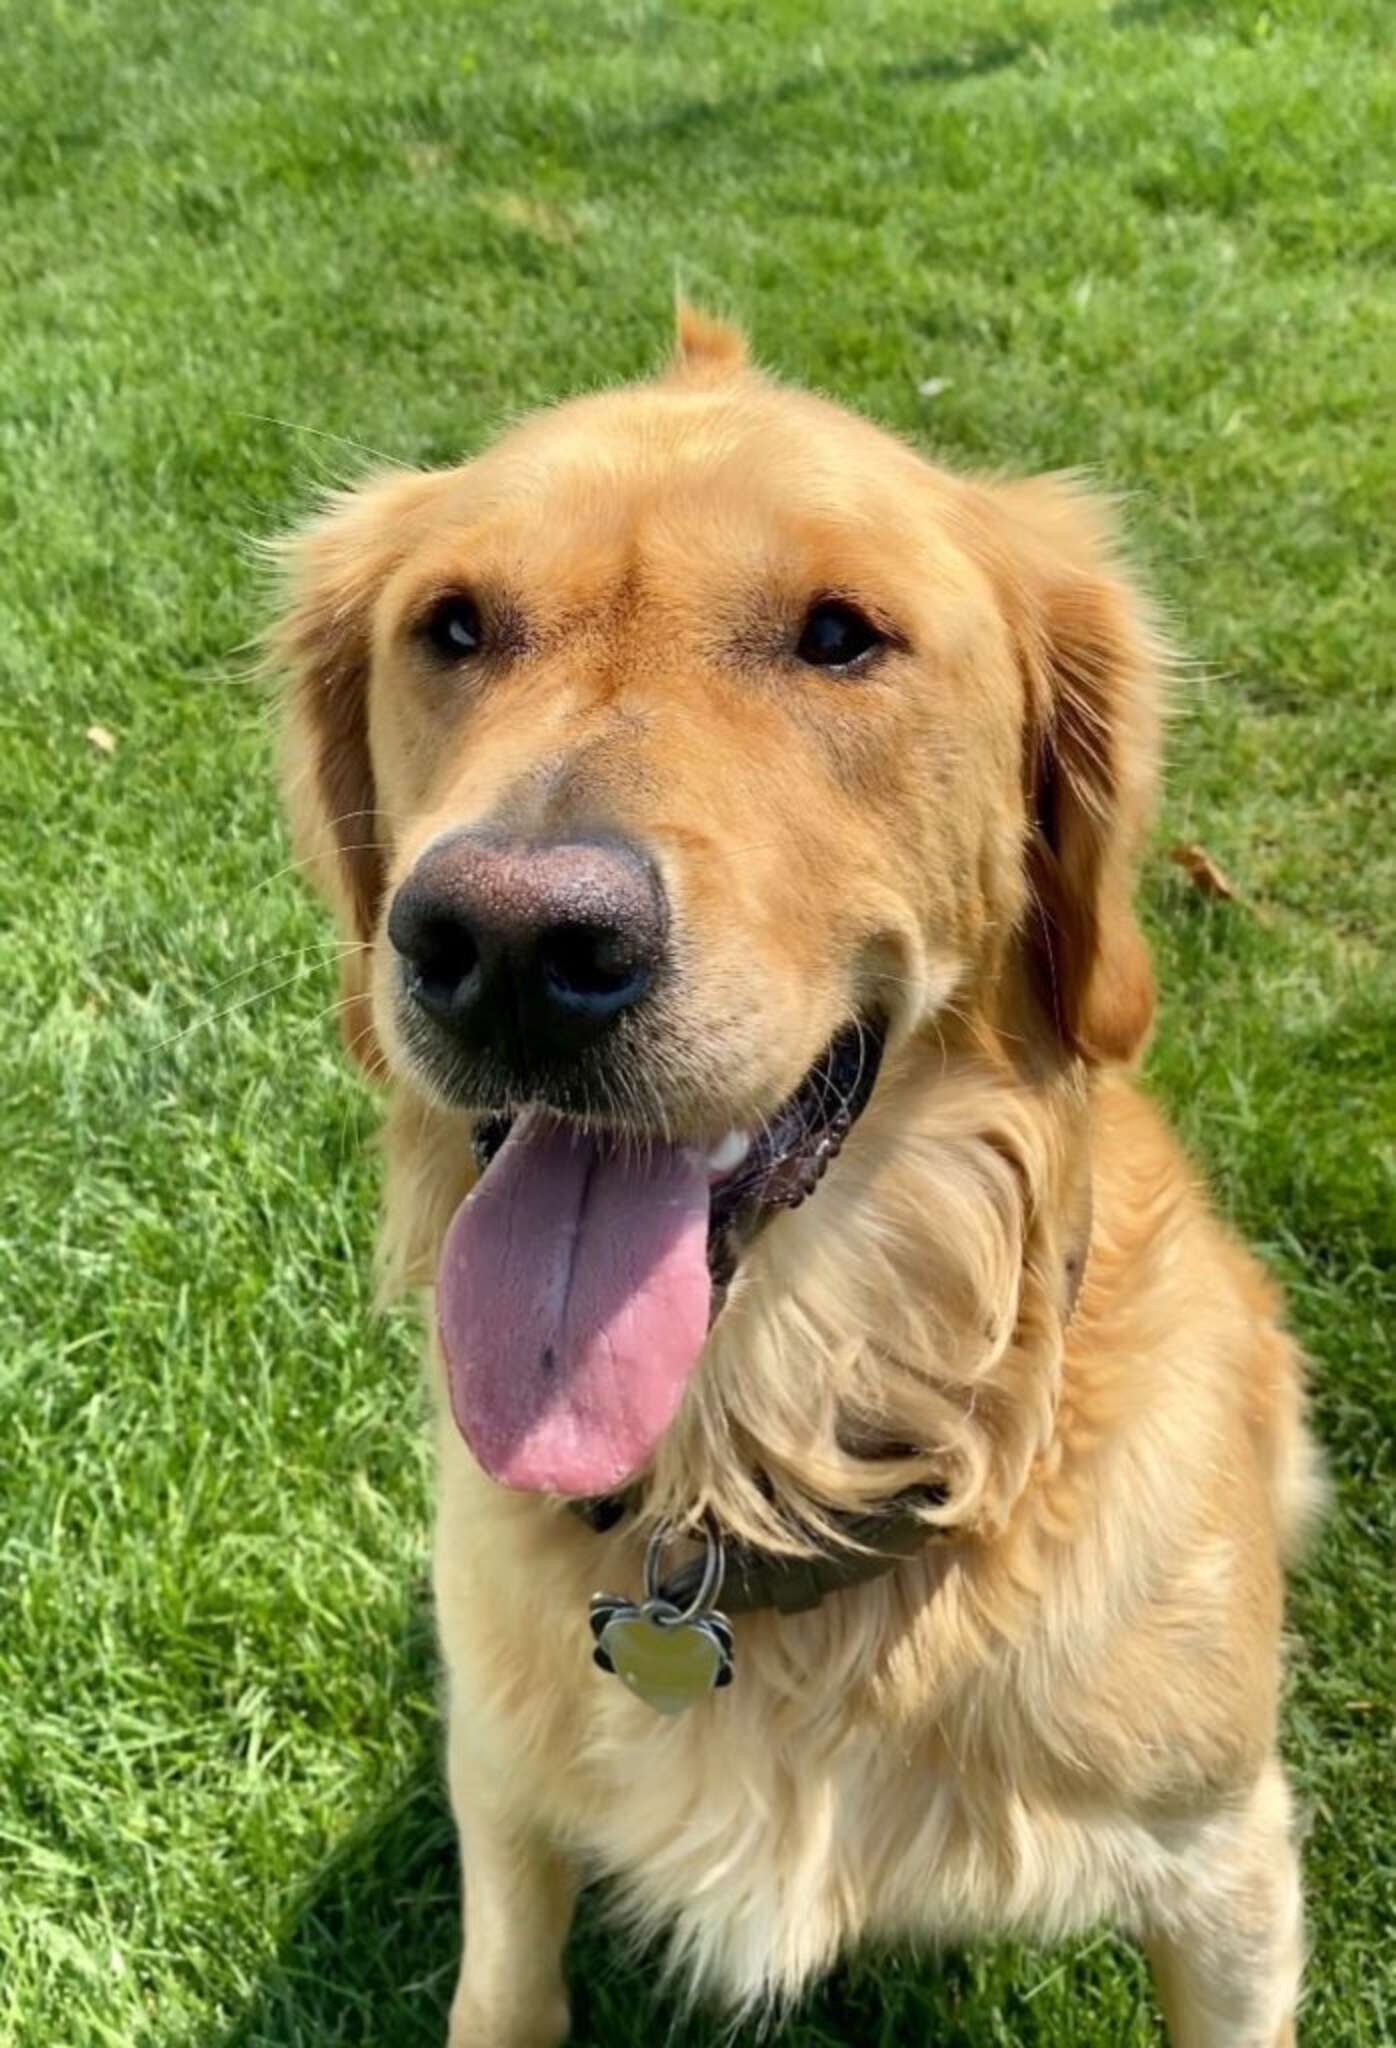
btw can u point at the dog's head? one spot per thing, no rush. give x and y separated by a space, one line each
665 764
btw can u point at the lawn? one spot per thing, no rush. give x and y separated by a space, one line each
239 246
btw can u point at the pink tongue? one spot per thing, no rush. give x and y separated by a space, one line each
572 1303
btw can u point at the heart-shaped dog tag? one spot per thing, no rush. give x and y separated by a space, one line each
664 1659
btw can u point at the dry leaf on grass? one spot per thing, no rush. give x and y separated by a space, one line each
103 740
1198 865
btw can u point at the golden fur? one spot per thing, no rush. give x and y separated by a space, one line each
1065 1712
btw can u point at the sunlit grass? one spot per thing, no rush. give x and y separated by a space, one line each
1147 238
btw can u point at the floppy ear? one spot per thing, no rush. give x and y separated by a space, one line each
1092 666
334 570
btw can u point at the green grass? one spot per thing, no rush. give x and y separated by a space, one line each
1153 238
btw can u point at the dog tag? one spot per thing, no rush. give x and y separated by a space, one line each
666 1659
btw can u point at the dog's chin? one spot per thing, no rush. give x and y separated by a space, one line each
753 1173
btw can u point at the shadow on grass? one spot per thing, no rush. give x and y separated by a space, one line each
1161 13
977 59
369 1952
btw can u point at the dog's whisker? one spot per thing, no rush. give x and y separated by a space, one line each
305 863
268 419
321 948
232 1009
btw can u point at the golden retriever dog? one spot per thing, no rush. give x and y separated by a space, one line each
866 1464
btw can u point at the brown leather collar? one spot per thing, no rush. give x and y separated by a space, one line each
876 1543
873 1543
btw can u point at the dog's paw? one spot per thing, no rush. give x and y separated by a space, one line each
473 2026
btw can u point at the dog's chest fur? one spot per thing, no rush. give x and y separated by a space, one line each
760 1875
805 1807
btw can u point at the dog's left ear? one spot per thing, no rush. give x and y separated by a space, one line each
1092 666
333 570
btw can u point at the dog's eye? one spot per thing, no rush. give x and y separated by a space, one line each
453 628
835 635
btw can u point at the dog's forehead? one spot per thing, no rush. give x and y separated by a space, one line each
751 468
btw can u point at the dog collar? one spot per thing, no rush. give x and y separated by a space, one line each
870 1545
674 1645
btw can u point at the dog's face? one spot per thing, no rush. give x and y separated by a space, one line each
696 739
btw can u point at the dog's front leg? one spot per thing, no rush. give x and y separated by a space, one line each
1228 1953
518 1893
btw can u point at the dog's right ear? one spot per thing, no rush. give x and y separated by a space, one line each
333 570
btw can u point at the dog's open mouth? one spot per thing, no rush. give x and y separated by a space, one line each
579 1278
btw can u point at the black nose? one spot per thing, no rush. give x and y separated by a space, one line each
522 945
